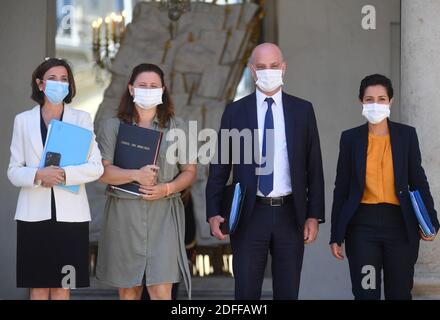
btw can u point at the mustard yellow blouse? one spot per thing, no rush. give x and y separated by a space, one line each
379 179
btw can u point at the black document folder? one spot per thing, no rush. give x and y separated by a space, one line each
136 147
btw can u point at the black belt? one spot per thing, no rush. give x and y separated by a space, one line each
276 201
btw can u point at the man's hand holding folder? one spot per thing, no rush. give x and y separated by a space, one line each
215 223
232 205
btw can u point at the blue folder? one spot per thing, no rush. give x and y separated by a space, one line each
232 206
422 214
72 142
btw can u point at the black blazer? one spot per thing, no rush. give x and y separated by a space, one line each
304 158
351 171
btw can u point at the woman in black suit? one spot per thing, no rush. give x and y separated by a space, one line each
379 163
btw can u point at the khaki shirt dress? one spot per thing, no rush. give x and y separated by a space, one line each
141 237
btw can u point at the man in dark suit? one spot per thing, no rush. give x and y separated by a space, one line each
284 201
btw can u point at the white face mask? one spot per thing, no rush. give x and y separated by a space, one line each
269 80
376 113
148 98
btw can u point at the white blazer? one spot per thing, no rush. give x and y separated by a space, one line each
34 202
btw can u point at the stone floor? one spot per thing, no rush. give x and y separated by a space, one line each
211 288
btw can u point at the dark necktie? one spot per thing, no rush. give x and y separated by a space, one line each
266 180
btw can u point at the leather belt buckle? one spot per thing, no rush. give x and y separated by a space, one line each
277 203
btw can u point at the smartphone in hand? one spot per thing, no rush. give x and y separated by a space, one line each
52 159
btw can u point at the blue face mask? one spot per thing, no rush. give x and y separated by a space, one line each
56 91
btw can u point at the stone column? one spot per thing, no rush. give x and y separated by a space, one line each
27 32
421 108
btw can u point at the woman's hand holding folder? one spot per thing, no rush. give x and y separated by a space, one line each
147 176
156 192
425 238
49 177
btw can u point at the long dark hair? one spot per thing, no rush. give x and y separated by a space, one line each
127 111
40 71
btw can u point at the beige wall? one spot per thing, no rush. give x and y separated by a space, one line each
27 37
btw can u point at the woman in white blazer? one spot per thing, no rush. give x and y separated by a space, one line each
52 224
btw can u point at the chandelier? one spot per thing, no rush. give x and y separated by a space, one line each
107 36
108 32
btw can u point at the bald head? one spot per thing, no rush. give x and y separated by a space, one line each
266 53
266 56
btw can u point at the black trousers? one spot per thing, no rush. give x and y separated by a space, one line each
377 240
274 230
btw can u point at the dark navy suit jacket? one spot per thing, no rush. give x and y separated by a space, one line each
304 155
351 171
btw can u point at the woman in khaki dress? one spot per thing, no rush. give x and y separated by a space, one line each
144 236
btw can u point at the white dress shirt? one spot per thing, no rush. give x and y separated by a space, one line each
282 184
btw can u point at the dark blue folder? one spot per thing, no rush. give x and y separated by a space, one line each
136 147
422 214
232 206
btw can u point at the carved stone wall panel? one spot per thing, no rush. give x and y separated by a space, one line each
202 55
